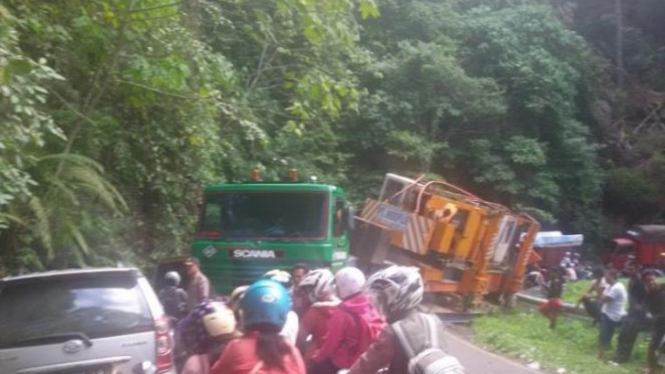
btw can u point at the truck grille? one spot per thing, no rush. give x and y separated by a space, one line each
226 276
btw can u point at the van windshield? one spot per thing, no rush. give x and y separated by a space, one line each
264 215
97 306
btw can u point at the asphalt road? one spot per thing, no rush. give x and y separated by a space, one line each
477 361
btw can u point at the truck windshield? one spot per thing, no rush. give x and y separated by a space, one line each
264 215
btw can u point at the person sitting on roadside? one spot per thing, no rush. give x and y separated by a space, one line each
553 288
300 300
290 331
354 325
399 292
206 332
655 302
566 261
591 298
172 297
613 311
534 276
262 350
319 286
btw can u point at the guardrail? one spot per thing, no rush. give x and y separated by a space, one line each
567 308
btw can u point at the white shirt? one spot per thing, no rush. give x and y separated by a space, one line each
290 329
616 307
566 262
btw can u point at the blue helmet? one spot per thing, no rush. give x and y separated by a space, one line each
265 302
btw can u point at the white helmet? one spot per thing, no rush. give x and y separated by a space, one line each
280 276
173 276
399 287
320 282
236 295
349 281
220 322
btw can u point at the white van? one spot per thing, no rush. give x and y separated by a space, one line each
88 321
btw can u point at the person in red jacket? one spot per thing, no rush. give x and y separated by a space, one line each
319 286
354 325
262 350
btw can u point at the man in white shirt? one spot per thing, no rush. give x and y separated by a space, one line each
612 312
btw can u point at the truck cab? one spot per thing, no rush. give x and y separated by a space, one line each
248 229
645 243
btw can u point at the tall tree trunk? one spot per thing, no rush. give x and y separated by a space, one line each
619 42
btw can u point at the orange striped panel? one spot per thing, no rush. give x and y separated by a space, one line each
369 210
418 234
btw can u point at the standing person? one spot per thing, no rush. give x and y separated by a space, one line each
299 272
300 301
591 299
206 332
655 303
290 330
613 310
319 286
401 346
553 288
198 290
172 297
637 292
354 325
637 319
262 350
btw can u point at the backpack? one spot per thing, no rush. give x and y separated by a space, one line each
368 332
172 302
430 357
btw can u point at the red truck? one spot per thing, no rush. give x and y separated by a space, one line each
645 242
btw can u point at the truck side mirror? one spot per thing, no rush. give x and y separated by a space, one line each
349 218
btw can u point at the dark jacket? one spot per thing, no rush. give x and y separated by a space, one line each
174 301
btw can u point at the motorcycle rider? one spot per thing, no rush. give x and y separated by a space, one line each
290 331
206 332
399 291
172 297
319 286
354 325
262 350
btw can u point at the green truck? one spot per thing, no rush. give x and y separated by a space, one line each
247 229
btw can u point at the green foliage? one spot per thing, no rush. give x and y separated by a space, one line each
631 192
115 113
24 123
487 96
165 97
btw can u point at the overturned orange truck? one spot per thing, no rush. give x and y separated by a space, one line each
461 243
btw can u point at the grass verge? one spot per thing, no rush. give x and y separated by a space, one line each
573 291
523 333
